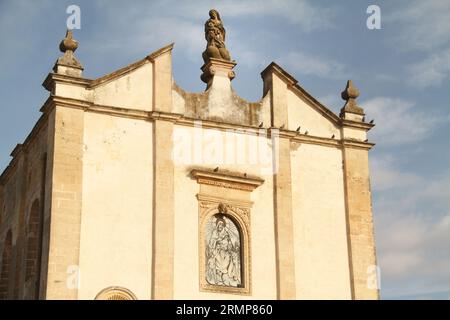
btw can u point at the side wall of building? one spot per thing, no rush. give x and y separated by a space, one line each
318 206
116 227
22 205
320 235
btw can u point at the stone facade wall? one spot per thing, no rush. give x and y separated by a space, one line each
22 192
321 255
118 209
116 218
187 228
360 225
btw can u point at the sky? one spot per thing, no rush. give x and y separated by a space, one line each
402 71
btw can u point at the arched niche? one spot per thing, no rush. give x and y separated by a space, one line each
224 248
5 270
115 293
33 250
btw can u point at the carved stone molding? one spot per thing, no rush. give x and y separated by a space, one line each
226 180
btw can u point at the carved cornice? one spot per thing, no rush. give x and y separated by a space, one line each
209 200
329 142
226 180
87 106
182 120
53 78
356 124
357 144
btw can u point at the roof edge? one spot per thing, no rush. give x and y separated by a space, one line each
293 83
133 66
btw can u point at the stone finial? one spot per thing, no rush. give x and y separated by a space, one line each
68 64
68 43
349 95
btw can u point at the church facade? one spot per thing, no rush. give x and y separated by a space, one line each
129 187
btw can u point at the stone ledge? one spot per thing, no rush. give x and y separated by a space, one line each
226 179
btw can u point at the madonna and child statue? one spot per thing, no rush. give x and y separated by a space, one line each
223 252
215 38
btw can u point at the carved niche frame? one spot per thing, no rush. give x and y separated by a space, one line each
227 194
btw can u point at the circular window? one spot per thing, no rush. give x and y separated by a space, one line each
115 293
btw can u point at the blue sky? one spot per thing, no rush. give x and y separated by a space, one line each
402 71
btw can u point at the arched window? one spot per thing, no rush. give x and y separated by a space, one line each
5 266
34 246
115 293
223 251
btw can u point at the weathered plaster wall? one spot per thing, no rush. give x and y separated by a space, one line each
300 113
354 133
186 254
74 92
220 103
321 256
133 90
116 238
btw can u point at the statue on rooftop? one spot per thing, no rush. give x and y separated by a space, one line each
215 37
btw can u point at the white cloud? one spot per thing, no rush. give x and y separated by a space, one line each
413 252
412 228
398 121
144 33
423 26
14 36
318 66
420 25
302 13
385 176
184 25
430 72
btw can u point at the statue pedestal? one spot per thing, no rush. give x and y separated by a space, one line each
217 68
